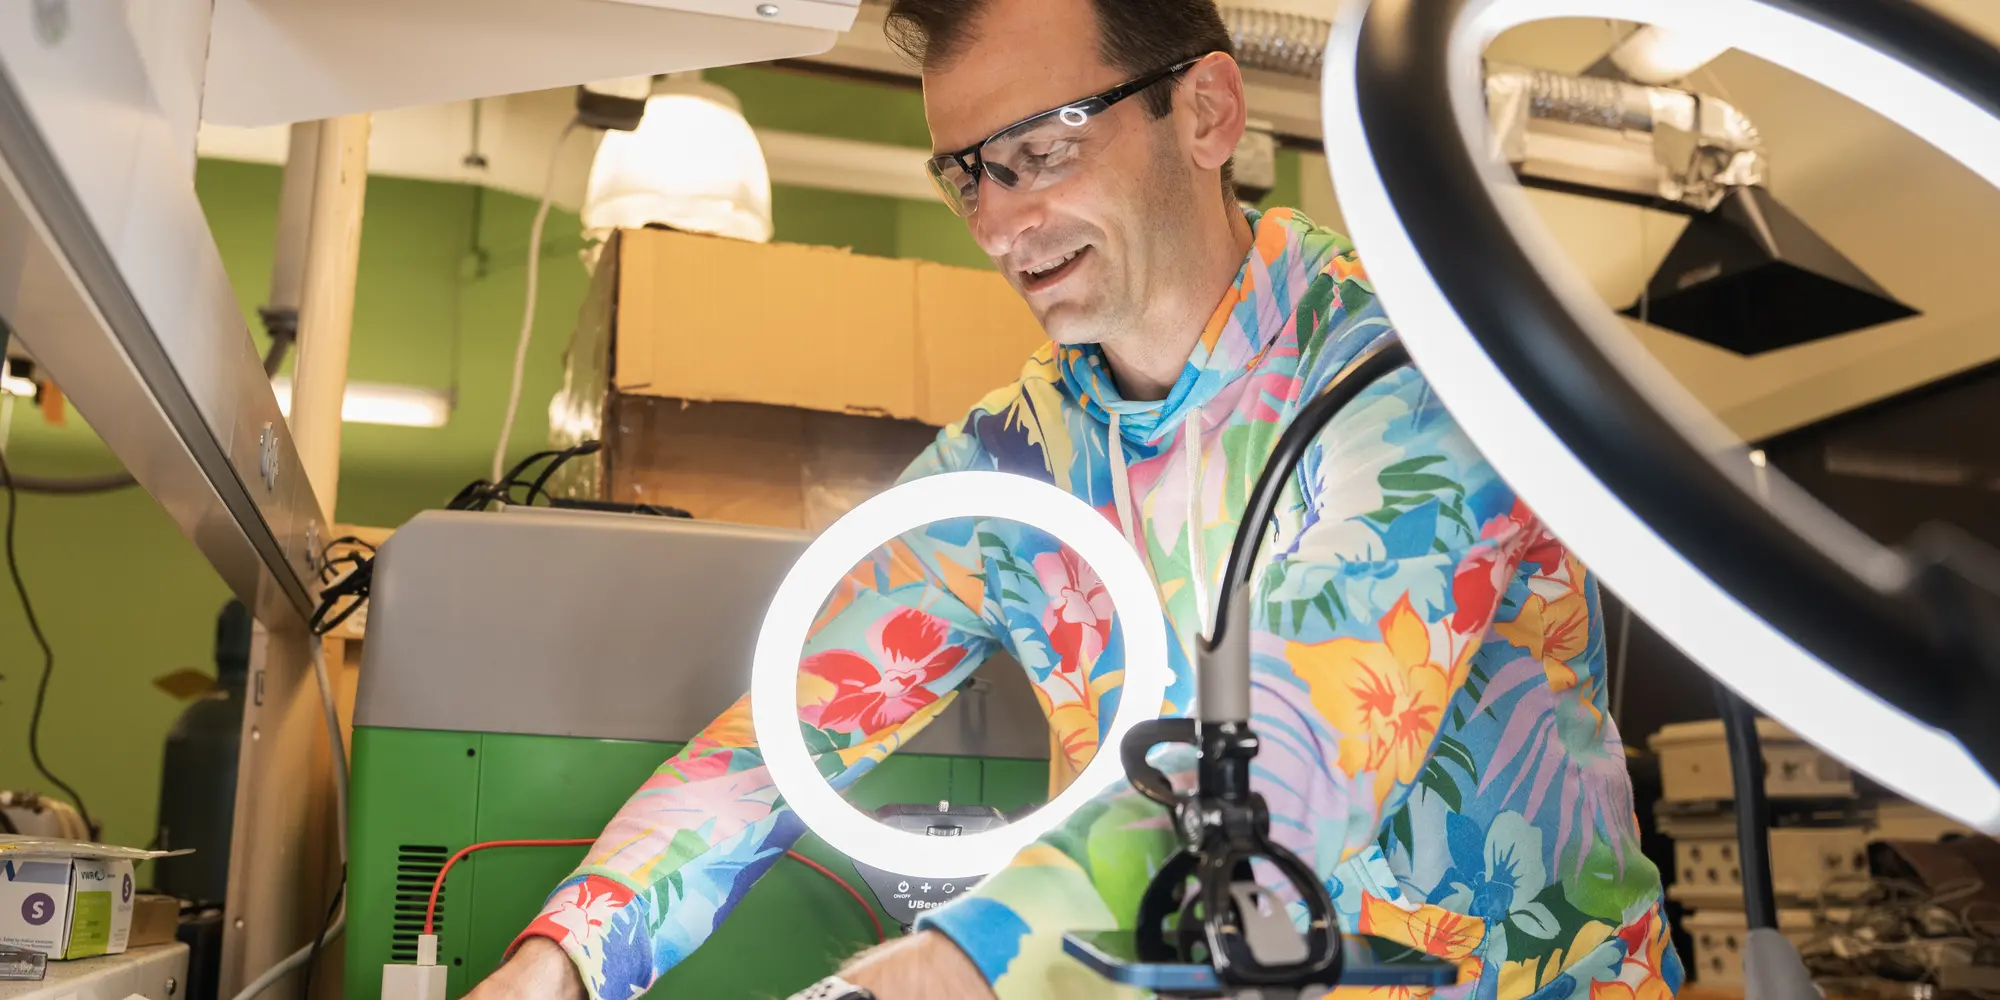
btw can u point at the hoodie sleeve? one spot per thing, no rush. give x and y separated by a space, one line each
918 618
883 660
1365 623
888 651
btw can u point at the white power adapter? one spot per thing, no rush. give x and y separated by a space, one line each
422 981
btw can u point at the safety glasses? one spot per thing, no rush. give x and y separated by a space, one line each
1035 152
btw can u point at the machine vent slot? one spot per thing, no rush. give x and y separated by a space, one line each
416 871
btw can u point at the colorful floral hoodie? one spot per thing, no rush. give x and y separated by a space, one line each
1428 675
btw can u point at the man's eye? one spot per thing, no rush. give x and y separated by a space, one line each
1042 155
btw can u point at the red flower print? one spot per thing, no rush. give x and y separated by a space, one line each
1475 590
579 912
910 646
1078 615
1476 587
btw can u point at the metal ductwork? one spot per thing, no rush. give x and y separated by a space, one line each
1610 138
1747 274
1292 44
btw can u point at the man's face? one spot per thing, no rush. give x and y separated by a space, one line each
1126 201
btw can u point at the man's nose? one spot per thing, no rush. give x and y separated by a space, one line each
1002 218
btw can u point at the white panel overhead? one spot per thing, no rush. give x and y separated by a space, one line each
281 61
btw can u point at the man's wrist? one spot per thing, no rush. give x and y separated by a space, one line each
923 966
541 970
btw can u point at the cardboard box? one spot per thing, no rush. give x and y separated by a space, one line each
65 907
773 384
708 319
155 920
777 466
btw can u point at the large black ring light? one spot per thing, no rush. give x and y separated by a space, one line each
1869 652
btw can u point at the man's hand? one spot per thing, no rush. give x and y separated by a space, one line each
539 970
923 966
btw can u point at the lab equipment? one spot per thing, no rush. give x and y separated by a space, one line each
198 772
525 670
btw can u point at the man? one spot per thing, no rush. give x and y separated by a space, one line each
1429 660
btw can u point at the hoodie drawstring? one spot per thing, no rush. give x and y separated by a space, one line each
1121 494
1197 558
1121 491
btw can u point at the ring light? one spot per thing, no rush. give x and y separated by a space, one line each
775 675
1390 151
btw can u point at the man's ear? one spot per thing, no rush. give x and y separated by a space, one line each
1214 95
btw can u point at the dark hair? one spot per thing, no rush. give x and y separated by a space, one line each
1137 36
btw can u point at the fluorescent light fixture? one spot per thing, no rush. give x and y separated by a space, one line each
1738 647
693 164
1655 54
380 403
774 682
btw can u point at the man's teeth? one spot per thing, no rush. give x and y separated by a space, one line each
1042 269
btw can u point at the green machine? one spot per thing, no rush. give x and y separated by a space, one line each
526 670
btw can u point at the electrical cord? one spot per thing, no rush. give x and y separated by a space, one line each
479 494
338 749
274 358
48 653
1898 929
437 884
528 306
312 957
556 463
880 934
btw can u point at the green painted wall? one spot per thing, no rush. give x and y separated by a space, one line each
124 598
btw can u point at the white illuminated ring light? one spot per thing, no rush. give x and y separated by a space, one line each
775 677
1403 39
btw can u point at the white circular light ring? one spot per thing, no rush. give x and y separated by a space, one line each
774 677
1718 632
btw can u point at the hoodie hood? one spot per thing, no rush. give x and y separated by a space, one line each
1286 253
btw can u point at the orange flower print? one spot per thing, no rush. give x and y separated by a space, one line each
1384 698
1430 929
1553 632
1651 988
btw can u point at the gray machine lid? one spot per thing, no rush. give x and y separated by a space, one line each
609 626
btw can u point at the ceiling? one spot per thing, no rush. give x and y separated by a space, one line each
1915 220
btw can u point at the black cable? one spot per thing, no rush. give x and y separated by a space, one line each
312 957
75 486
1753 809
1364 371
586 448
477 495
354 585
274 358
505 489
48 654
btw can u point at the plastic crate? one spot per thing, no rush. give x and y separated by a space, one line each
1694 764
1807 864
1718 942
